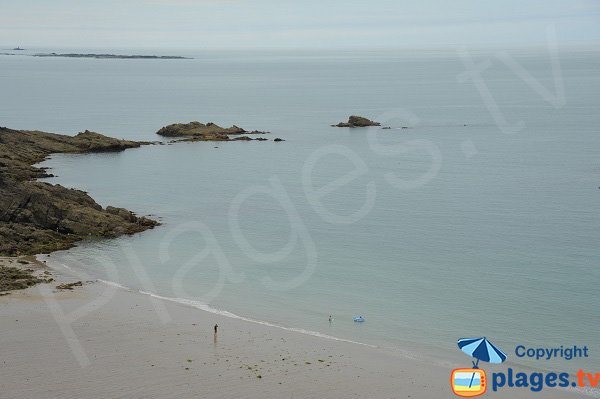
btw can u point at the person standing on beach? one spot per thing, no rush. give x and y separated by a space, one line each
215 336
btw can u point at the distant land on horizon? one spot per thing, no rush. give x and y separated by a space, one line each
115 56
106 56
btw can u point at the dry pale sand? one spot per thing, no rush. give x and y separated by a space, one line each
99 341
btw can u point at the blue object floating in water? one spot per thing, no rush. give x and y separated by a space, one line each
358 319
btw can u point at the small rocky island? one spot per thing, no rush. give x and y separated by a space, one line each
38 217
196 131
357 121
113 56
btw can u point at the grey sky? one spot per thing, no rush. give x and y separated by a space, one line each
292 24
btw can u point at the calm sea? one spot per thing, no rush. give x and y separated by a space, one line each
481 217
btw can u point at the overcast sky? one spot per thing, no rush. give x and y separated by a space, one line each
293 24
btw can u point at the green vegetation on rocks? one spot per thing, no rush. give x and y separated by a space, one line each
12 278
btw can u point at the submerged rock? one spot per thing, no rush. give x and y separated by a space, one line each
357 121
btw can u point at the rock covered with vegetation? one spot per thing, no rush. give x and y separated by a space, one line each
14 278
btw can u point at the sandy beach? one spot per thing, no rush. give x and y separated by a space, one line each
101 341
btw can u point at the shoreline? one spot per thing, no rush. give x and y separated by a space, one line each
60 343
434 353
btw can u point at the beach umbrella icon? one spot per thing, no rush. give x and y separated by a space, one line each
481 349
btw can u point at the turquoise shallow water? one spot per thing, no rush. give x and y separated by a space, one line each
450 228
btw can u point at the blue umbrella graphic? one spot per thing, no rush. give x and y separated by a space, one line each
481 349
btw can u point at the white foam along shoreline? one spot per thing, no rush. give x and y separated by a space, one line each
587 391
207 308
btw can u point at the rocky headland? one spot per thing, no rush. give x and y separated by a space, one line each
197 131
357 121
38 217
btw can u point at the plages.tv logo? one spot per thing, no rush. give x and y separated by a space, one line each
469 382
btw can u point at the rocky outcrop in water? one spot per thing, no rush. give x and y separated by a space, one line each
197 131
37 217
357 121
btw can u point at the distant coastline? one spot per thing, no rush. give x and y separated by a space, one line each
106 56
114 56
